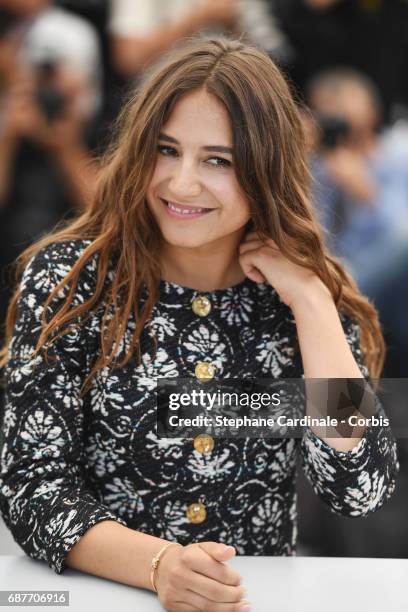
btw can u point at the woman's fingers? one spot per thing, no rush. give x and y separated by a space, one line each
255 237
204 604
212 589
252 272
198 578
255 275
251 245
180 606
217 550
251 256
202 562
248 261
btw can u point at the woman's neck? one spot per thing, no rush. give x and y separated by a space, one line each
206 268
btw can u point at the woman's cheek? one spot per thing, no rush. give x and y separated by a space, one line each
221 186
161 172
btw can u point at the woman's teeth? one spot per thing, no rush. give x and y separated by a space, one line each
185 211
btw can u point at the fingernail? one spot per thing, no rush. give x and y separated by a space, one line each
245 608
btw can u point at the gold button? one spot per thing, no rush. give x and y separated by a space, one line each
203 443
204 370
201 305
196 512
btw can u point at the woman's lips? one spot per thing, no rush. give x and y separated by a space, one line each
189 212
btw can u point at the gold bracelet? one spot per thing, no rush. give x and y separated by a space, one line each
155 563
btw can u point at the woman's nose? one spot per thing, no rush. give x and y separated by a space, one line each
185 181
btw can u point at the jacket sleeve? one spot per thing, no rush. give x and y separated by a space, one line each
44 498
359 481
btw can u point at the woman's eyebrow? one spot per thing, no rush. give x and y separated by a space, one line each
217 148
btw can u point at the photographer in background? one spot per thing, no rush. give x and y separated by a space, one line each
49 99
361 193
362 182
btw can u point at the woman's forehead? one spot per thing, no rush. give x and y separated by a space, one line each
199 115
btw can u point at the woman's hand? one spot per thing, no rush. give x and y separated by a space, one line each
195 577
262 261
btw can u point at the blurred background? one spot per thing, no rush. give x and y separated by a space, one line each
65 69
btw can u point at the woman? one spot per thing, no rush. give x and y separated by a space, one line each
202 252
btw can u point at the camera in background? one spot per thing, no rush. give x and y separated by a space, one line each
50 100
333 131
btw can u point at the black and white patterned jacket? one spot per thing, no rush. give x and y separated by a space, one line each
68 463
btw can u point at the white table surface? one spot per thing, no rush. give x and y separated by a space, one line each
276 584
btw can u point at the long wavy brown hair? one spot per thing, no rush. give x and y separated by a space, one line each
270 161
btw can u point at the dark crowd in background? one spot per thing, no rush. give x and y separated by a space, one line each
65 69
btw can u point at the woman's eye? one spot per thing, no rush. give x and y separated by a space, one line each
217 162
168 151
220 162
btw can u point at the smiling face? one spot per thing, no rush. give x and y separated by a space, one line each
194 193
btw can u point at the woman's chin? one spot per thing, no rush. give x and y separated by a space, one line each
187 244
186 241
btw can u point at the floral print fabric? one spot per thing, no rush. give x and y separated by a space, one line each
68 463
